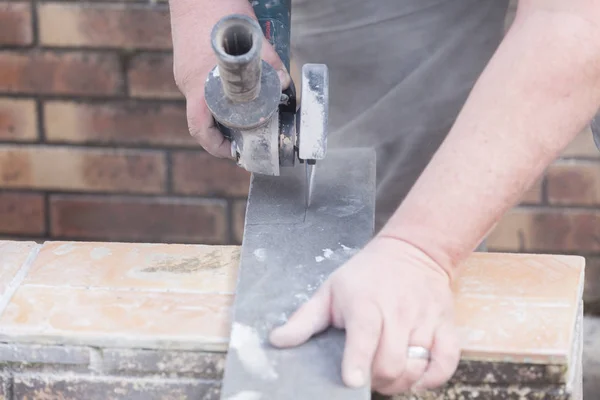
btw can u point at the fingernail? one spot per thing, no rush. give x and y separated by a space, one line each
355 378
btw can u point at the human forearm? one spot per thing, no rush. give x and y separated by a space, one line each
539 90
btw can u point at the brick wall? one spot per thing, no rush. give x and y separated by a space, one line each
93 134
94 142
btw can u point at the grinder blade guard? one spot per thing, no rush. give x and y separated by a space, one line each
244 94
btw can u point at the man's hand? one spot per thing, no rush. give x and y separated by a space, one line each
191 24
388 297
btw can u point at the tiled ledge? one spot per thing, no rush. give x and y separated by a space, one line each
130 295
107 316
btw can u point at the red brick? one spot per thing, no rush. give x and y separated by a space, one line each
151 75
239 217
574 183
93 170
67 73
139 219
547 230
21 214
75 387
591 293
533 195
117 122
18 120
200 173
105 25
15 24
582 146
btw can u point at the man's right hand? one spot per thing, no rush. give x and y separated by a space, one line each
191 25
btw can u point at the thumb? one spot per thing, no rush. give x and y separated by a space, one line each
311 318
269 54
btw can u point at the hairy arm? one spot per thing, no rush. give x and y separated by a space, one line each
539 90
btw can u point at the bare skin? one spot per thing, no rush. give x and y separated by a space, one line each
537 93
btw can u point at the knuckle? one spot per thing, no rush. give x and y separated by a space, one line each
182 76
195 130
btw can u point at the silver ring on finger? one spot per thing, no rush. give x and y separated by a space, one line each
418 352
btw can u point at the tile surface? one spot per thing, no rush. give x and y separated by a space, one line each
124 294
510 307
104 317
519 308
129 266
12 257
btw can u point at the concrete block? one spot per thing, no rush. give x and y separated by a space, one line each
24 353
82 387
490 372
198 364
591 358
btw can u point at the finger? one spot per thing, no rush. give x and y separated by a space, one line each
414 369
269 54
390 358
363 330
421 336
213 141
202 128
445 355
311 318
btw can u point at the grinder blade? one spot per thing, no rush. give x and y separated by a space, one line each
310 178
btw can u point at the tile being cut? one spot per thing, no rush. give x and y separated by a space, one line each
287 253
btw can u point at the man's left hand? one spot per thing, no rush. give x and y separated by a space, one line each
387 297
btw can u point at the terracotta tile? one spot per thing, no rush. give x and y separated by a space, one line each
13 255
197 268
125 294
519 308
510 307
514 330
527 276
103 317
